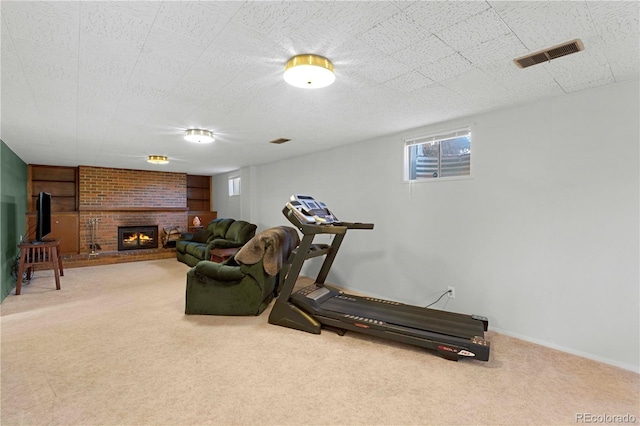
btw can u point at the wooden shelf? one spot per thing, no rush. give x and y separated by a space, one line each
60 182
198 193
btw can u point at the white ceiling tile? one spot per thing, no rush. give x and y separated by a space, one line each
107 60
91 126
158 69
474 30
475 84
629 48
97 98
353 17
9 53
408 82
143 94
275 20
63 94
15 92
38 62
622 56
540 25
446 68
394 33
625 68
437 15
529 83
615 20
594 71
379 69
426 51
314 37
26 125
174 108
201 82
51 24
197 21
506 47
437 97
14 85
224 61
244 41
120 22
366 63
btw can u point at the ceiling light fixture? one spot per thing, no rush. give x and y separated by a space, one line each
158 159
198 136
309 72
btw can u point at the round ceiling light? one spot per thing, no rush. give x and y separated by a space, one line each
309 72
158 159
198 136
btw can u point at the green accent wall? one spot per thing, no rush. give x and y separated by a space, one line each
13 196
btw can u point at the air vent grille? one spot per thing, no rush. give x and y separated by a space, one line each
280 140
546 55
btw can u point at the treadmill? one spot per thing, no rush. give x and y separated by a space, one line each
454 336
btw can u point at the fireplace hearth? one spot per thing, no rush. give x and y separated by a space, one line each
137 237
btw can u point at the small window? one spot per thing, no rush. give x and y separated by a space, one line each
442 155
234 186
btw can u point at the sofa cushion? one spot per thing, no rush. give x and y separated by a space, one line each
198 250
240 231
181 245
219 227
201 236
234 230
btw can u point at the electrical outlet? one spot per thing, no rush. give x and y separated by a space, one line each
452 292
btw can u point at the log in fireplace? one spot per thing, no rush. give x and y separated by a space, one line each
137 237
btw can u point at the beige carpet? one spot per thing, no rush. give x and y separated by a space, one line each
113 347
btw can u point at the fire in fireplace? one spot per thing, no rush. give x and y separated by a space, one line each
137 237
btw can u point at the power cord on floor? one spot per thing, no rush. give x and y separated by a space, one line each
15 269
441 296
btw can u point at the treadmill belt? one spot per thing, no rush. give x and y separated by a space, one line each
442 322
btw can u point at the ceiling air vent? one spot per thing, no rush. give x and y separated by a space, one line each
548 54
280 140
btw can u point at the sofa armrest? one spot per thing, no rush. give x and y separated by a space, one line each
218 272
186 236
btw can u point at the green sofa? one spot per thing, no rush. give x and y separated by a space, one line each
247 282
219 233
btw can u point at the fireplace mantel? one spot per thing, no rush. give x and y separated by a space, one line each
133 209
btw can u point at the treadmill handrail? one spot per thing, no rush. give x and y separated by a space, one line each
309 229
357 225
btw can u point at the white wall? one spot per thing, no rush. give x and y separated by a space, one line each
236 207
543 239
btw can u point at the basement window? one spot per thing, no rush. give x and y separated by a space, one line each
437 156
234 186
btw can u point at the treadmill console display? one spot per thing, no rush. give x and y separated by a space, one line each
309 210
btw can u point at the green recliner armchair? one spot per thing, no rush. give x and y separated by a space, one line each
244 284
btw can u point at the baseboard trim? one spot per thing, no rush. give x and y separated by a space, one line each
604 360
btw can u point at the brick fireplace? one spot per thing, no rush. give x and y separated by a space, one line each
114 198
